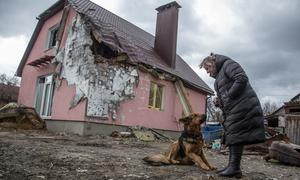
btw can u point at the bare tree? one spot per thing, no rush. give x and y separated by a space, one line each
269 108
9 80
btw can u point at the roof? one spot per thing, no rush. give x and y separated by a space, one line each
294 100
137 43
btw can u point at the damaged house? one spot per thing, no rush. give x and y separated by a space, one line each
87 71
286 119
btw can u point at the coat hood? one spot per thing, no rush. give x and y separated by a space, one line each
220 59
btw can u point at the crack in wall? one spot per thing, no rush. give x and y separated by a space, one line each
104 84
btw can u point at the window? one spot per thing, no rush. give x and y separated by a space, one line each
52 37
156 96
294 110
44 95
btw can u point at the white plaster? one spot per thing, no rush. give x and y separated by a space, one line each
103 84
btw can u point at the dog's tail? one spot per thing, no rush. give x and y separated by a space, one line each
157 160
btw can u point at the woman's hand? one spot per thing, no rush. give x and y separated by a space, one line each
216 101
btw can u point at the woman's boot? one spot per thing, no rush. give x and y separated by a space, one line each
223 169
233 169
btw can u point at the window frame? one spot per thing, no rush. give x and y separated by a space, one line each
153 104
44 112
50 36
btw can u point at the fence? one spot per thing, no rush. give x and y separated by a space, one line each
293 128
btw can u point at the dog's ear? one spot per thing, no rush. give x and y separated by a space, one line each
189 118
185 119
200 118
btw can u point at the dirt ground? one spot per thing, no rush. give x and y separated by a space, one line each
44 155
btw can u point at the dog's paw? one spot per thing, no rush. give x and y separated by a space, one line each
174 161
206 168
213 168
203 167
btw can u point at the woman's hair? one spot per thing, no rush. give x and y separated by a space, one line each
209 60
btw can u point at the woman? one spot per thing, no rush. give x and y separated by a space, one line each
243 117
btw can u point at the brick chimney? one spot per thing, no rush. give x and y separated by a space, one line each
166 32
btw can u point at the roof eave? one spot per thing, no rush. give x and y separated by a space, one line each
198 88
52 10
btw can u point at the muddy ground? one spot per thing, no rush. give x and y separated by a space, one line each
44 155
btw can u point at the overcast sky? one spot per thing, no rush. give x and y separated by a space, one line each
262 35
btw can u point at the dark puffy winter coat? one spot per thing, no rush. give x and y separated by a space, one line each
244 122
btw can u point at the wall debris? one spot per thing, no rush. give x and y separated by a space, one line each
102 81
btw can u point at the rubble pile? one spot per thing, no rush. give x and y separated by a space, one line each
141 133
15 116
271 136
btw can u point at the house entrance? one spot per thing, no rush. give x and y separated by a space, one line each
44 95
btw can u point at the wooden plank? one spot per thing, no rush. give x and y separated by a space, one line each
62 25
185 96
160 134
293 128
187 108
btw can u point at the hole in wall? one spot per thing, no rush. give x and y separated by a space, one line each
102 49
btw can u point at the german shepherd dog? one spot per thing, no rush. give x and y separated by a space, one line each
187 150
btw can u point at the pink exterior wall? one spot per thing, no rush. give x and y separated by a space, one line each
131 112
30 73
61 103
136 112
